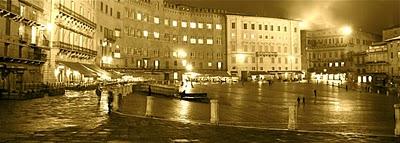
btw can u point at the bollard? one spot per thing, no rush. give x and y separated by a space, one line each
397 119
149 105
115 102
292 117
387 93
377 91
214 112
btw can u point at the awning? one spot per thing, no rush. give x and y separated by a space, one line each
215 73
80 68
97 69
258 73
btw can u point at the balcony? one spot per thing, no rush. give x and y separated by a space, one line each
76 16
74 48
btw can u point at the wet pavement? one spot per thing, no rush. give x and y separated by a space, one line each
260 105
78 117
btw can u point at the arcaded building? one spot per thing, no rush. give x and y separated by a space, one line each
263 46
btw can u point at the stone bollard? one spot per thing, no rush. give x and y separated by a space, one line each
397 119
377 91
214 112
292 117
115 104
387 93
149 105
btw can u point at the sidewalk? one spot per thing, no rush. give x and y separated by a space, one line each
78 118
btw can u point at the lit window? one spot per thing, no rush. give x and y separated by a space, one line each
233 34
185 38
209 26
192 24
145 33
117 33
156 20
219 65
252 36
244 36
330 64
200 25
156 35
218 26
193 40
139 16
174 23
336 64
200 41
166 22
209 41
342 64
184 24
210 64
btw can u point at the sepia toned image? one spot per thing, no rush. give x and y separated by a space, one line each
204 71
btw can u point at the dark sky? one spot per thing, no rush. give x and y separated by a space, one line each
370 15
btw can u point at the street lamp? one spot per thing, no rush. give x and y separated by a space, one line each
346 30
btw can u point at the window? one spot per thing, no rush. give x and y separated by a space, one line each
253 60
184 24
233 25
156 20
279 28
218 26
259 27
284 29
209 41
265 27
145 33
73 6
192 40
200 25
253 26
245 26
200 41
101 6
271 28
272 60
295 29
209 26
138 16
210 64
261 60
185 38
111 12
156 35
117 33
219 65
193 25
175 23
166 22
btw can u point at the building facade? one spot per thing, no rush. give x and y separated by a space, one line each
161 37
71 24
23 45
263 46
330 53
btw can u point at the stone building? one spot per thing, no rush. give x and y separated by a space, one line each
330 53
23 45
160 37
261 46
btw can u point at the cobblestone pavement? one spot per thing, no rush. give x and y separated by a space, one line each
77 117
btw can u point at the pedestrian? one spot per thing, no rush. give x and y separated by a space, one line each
110 101
298 100
346 88
315 92
149 90
304 100
98 93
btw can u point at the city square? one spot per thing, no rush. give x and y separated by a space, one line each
199 71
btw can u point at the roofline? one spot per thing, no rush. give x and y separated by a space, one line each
249 15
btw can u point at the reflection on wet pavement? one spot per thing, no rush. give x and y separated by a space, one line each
50 113
260 105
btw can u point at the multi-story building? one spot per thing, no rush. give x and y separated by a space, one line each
23 45
263 46
71 24
330 52
161 37
390 33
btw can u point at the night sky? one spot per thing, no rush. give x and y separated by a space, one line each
369 15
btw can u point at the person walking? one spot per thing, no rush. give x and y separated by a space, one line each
304 100
110 101
149 91
98 93
315 92
298 100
